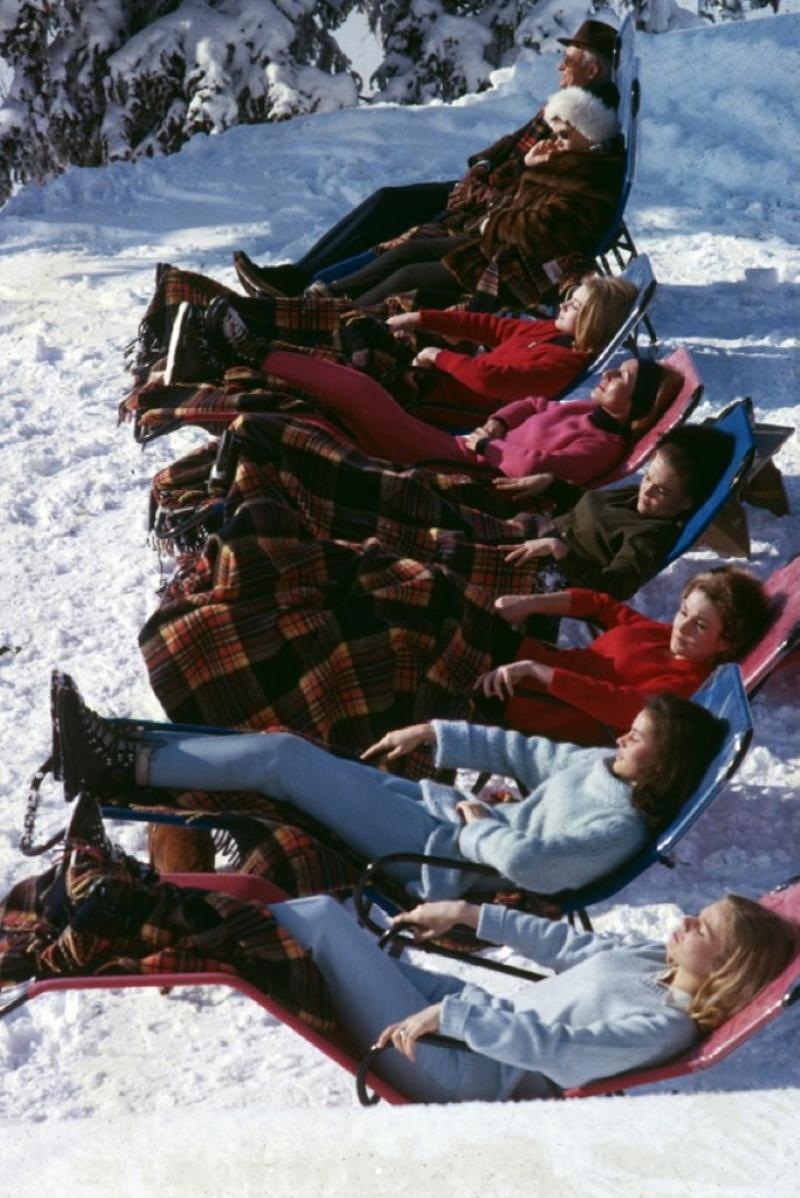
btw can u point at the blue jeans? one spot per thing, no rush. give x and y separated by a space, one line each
370 990
374 812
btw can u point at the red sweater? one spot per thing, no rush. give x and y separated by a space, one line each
607 683
524 359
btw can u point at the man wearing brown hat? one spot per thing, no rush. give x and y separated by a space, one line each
459 208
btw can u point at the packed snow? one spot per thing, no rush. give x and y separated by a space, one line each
200 1092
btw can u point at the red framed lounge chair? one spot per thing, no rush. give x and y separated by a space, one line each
679 410
247 889
774 998
768 1004
781 638
766 1007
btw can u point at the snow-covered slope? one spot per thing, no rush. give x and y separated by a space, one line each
131 1094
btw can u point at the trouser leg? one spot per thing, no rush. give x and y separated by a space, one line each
437 287
418 249
378 422
370 990
374 812
386 213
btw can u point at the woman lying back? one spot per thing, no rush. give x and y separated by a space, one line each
580 694
588 810
613 1003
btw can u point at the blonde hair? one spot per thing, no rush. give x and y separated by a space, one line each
607 304
667 392
760 944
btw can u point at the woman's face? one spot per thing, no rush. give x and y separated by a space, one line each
661 492
637 750
697 629
567 316
567 137
698 945
614 392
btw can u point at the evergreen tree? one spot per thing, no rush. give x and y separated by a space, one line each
98 80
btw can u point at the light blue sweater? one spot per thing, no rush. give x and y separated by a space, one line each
576 825
604 1010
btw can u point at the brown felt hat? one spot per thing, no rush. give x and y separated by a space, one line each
595 36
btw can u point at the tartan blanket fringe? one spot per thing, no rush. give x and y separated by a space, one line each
99 911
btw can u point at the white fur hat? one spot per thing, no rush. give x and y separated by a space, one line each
584 111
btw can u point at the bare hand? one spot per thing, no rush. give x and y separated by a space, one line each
429 920
490 431
401 742
403 321
540 547
427 356
526 487
516 608
404 1035
540 152
500 683
471 810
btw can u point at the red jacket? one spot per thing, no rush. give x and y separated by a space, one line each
524 359
607 683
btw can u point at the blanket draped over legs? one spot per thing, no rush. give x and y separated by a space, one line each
340 606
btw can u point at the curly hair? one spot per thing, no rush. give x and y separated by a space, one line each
742 603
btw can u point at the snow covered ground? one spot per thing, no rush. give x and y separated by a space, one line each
198 1093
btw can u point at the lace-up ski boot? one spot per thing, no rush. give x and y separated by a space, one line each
190 357
224 326
96 754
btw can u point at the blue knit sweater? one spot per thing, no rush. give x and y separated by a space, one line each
576 825
605 1010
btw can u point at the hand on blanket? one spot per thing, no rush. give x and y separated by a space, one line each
427 356
399 743
527 487
404 1035
501 682
540 547
429 920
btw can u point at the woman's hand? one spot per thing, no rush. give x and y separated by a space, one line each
540 547
471 810
401 742
404 1035
403 321
429 920
516 608
489 431
540 152
500 683
427 356
526 487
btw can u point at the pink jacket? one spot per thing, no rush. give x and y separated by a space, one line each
544 435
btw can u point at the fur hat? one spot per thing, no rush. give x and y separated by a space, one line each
585 112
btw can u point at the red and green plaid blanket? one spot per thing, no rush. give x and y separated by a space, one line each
341 597
100 911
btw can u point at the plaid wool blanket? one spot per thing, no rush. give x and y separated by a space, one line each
334 600
99 911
